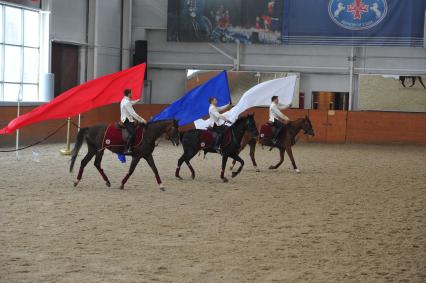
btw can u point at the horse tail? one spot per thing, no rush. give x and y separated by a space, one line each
78 143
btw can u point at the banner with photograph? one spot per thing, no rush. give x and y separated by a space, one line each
246 21
29 3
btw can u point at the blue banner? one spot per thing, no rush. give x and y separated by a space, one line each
354 22
195 103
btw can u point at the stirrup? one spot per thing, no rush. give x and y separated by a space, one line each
128 151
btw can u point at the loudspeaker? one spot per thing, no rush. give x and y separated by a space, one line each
255 37
141 54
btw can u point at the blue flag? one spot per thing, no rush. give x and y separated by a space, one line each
195 103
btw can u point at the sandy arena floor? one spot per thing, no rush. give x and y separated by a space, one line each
356 213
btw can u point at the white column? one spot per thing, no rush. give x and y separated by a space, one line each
351 78
92 39
126 35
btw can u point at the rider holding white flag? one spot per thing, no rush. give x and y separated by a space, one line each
217 119
277 118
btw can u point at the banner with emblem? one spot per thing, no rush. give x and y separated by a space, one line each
354 22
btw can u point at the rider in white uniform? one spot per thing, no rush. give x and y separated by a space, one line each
128 117
218 120
277 118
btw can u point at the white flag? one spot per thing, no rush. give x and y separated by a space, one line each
259 95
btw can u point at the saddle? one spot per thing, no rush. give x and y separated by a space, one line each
207 138
267 130
116 135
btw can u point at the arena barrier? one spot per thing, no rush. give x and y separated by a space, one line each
370 127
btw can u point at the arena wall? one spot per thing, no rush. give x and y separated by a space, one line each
330 126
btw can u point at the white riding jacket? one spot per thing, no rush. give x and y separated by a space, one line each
127 111
215 116
275 112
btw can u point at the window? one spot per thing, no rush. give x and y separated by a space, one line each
19 54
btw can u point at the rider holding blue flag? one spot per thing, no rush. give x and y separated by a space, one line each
217 121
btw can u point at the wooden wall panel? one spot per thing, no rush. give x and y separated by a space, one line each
386 127
336 126
352 127
319 123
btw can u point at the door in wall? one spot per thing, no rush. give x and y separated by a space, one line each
326 100
64 66
329 120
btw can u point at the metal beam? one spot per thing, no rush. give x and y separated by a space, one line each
221 52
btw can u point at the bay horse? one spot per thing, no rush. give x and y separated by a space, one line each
285 142
191 143
94 137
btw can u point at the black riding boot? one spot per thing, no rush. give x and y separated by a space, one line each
276 134
128 149
131 130
216 145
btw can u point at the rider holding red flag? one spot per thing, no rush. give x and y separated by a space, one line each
128 117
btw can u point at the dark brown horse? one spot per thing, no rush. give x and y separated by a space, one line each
191 141
285 142
94 138
413 80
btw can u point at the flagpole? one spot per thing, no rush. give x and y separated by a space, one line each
17 131
67 150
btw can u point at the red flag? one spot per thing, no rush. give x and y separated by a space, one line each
102 91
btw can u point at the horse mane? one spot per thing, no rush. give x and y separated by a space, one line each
239 120
297 120
294 123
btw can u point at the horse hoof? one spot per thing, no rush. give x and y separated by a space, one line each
122 187
193 177
108 184
257 169
76 183
162 188
271 168
179 178
297 171
225 180
234 174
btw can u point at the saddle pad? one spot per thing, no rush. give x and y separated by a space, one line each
114 136
266 131
206 139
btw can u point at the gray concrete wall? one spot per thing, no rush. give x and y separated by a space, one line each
95 26
68 20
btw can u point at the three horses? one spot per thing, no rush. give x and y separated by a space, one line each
242 133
